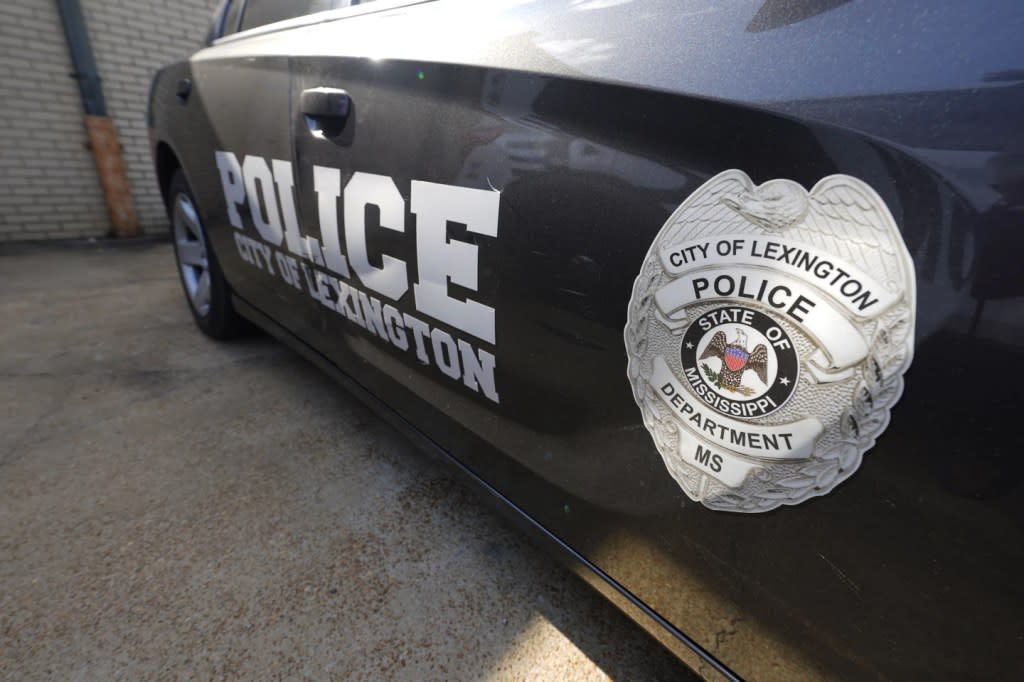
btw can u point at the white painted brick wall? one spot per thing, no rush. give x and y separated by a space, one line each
48 182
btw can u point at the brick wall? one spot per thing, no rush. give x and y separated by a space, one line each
48 183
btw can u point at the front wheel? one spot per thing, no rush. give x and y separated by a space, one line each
208 294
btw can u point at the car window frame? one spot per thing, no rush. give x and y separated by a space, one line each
238 16
220 15
248 4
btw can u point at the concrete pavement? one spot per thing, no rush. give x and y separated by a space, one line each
175 508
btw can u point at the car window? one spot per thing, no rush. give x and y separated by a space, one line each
338 4
261 12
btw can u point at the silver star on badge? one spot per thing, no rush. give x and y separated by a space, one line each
784 381
689 346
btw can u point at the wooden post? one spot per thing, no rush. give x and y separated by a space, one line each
103 140
107 150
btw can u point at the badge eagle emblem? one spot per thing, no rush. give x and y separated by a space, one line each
768 333
736 359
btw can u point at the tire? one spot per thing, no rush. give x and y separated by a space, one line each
206 291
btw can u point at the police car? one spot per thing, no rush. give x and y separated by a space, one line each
722 300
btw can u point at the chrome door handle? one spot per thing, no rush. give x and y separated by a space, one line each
326 110
183 89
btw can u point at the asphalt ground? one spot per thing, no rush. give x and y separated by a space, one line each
175 508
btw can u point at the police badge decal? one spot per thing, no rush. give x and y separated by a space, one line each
767 335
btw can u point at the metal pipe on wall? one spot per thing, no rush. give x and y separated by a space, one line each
103 140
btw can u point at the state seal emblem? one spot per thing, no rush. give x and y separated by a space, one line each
767 336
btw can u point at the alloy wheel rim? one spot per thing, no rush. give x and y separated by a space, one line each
190 247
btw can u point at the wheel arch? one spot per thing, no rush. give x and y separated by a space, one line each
166 164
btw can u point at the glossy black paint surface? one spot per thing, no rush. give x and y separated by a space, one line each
909 569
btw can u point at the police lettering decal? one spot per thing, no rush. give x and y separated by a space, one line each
335 270
767 335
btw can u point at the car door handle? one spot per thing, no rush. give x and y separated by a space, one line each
183 89
326 110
